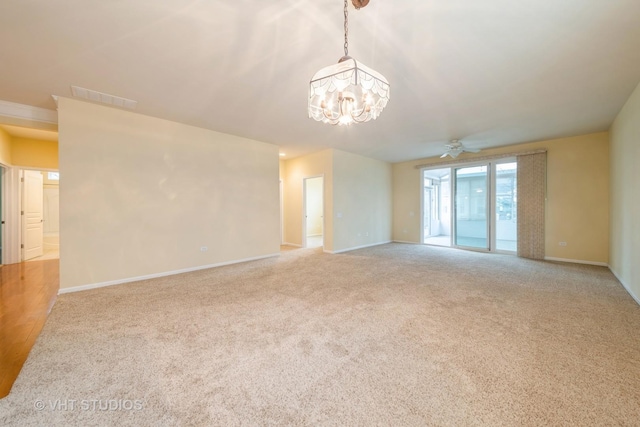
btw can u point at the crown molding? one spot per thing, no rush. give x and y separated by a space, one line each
28 116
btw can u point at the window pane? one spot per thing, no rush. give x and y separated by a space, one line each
471 207
506 207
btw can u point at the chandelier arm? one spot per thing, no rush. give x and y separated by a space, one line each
327 116
355 119
330 118
363 110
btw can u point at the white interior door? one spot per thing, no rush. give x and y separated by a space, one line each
32 214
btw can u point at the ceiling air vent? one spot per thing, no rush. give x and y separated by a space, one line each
103 98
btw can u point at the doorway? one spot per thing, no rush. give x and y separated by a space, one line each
313 224
40 223
32 214
436 207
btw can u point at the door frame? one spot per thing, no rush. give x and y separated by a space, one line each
423 236
11 206
304 209
491 201
454 207
11 202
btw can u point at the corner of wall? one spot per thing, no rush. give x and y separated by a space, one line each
362 201
624 237
295 170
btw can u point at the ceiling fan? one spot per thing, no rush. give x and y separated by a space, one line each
455 147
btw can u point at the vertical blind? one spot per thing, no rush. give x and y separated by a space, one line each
532 172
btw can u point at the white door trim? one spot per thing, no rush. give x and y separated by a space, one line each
11 201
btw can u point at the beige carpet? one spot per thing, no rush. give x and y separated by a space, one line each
391 335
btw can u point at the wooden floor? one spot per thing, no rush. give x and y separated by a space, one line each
27 293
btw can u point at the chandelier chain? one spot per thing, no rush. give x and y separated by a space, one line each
346 29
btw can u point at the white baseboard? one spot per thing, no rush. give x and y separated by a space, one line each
156 275
357 247
291 244
409 243
576 261
627 288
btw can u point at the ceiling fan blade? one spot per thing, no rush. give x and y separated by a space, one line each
444 155
472 150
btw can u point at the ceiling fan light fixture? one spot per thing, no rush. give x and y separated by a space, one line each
455 147
349 91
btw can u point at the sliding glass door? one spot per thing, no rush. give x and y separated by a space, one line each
483 215
471 226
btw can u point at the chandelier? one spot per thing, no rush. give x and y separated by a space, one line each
349 91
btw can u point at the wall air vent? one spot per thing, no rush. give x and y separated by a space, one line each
103 98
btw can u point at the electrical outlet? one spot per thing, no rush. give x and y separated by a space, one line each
563 243
204 249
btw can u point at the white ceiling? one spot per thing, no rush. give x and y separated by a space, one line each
490 72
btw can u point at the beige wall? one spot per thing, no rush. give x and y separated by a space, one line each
625 195
357 199
361 201
406 201
295 171
140 196
31 153
28 153
577 196
5 148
